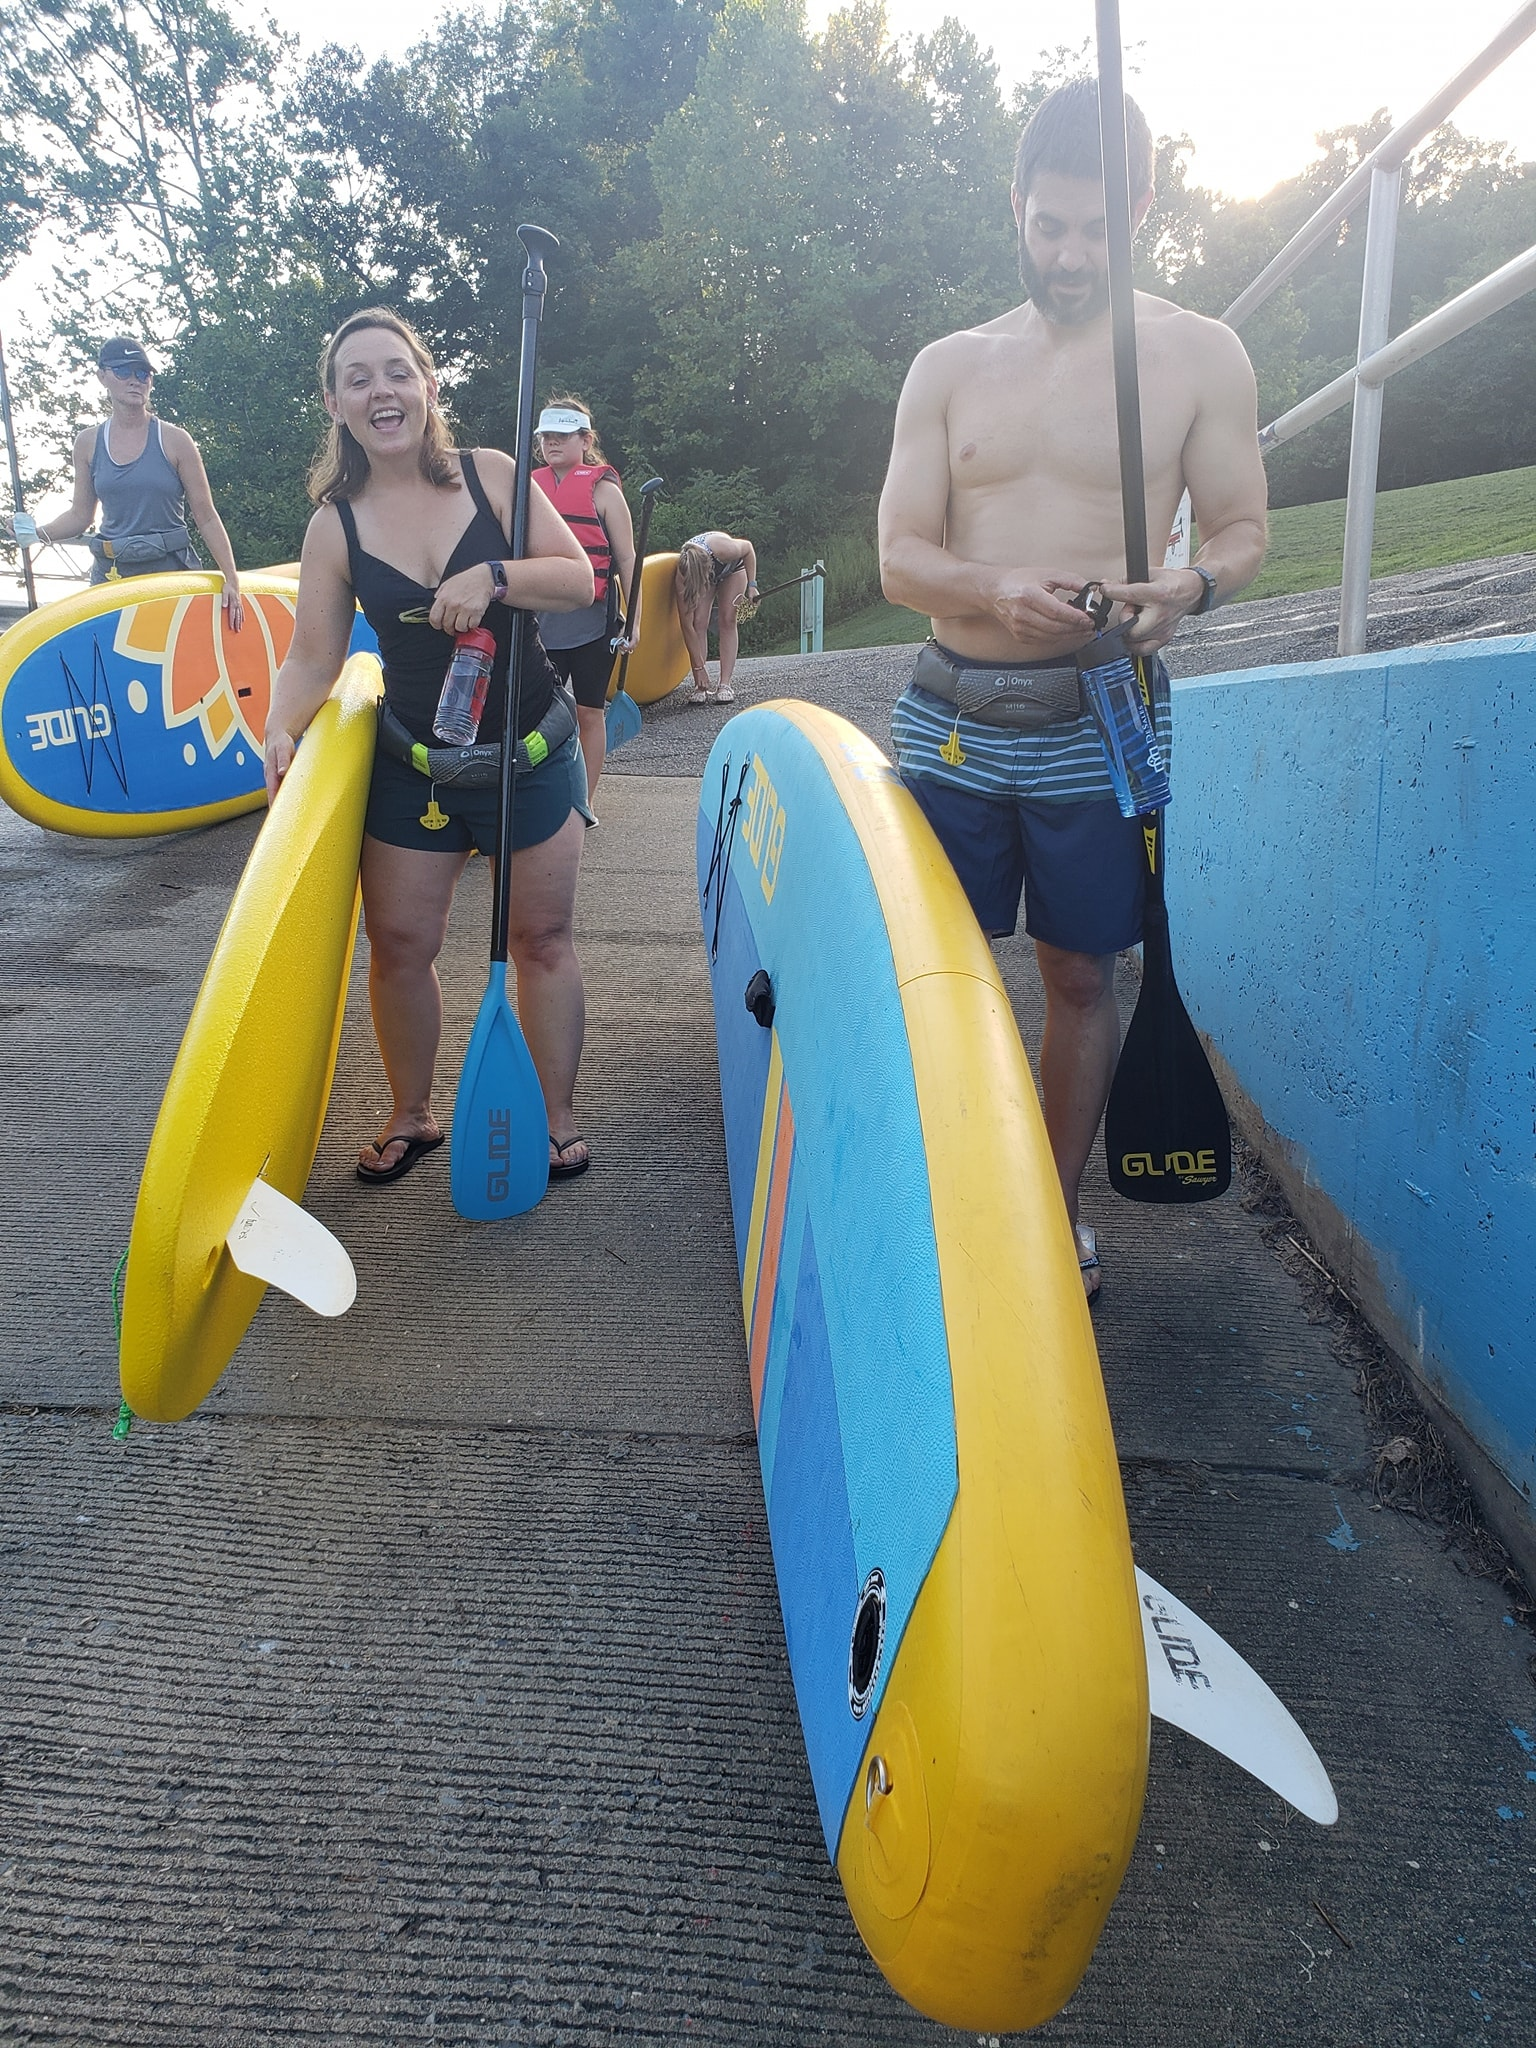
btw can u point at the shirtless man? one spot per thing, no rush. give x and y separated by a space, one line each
1002 500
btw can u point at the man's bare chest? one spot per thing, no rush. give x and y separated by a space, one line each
1030 420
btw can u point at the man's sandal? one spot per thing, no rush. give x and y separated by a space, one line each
1088 1261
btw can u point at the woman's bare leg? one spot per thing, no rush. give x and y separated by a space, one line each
694 620
551 1001
407 896
726 595
592 724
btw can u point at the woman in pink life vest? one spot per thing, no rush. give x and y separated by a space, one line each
586 492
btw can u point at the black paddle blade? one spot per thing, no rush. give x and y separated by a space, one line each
1166 1136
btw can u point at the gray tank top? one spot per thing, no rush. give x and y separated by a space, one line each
144 500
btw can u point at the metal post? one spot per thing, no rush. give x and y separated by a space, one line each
1365 433
817 589
16 497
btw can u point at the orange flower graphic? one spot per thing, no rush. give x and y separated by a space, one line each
221 679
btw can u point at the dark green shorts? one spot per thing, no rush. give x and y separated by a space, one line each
399 798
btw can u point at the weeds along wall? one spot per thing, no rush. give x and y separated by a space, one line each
1352 888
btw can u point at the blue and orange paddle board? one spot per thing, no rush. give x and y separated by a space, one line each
943 1497
130 708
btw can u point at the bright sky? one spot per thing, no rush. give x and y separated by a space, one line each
1251 102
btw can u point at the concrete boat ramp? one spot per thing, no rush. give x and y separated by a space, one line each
429 1685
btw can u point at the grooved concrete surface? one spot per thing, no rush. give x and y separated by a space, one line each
429 1686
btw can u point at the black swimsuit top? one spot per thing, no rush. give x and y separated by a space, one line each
415 658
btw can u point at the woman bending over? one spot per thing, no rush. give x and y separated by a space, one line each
714 571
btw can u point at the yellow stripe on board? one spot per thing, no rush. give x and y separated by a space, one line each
754 1254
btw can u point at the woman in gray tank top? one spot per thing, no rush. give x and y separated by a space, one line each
144 474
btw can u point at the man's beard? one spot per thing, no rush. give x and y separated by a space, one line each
1079 313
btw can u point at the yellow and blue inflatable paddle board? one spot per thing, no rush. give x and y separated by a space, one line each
247 1094
130 708
660 662
943 1497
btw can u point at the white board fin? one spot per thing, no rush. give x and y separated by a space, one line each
1200 1684
275 1240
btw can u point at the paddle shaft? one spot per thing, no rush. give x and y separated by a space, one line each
537 243
647 506
1122 320
16 497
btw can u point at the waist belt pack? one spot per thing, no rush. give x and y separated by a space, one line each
131 548
479 767
1026 699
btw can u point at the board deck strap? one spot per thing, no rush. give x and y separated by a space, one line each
130 708
248 1091
943 1496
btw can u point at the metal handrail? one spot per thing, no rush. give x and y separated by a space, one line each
1377 358
1390 154
1500 288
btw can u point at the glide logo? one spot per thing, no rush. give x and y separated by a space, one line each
1182 1657
1193 1168
762 827
498 1153
70 727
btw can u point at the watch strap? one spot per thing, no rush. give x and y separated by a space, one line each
498 581
1209 597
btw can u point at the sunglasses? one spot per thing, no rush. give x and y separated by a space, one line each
132 372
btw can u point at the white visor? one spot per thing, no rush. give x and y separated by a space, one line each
563 419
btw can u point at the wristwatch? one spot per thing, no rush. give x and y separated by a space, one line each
1209 597
499 582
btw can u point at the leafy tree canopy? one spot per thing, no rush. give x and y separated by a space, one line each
760 227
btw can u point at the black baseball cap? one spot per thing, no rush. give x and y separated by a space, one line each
122 352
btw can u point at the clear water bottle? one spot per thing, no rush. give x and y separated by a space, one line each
1132 751
457 718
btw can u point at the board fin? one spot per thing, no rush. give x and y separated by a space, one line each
1199 1683
275 1240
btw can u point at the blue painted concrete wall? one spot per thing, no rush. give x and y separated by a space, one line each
1352 886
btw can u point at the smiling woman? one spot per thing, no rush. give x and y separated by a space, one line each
415 531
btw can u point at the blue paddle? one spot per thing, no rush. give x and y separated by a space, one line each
500 1157
622 718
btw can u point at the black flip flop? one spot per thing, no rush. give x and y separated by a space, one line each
415 1148
563 1170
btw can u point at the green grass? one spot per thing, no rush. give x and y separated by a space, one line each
1428 526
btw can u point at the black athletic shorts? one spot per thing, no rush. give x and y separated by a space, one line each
587 669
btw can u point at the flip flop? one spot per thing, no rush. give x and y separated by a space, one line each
563 1169
415 1148
1088 1259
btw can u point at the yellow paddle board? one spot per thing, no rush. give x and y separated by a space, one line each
660 662
248 1092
